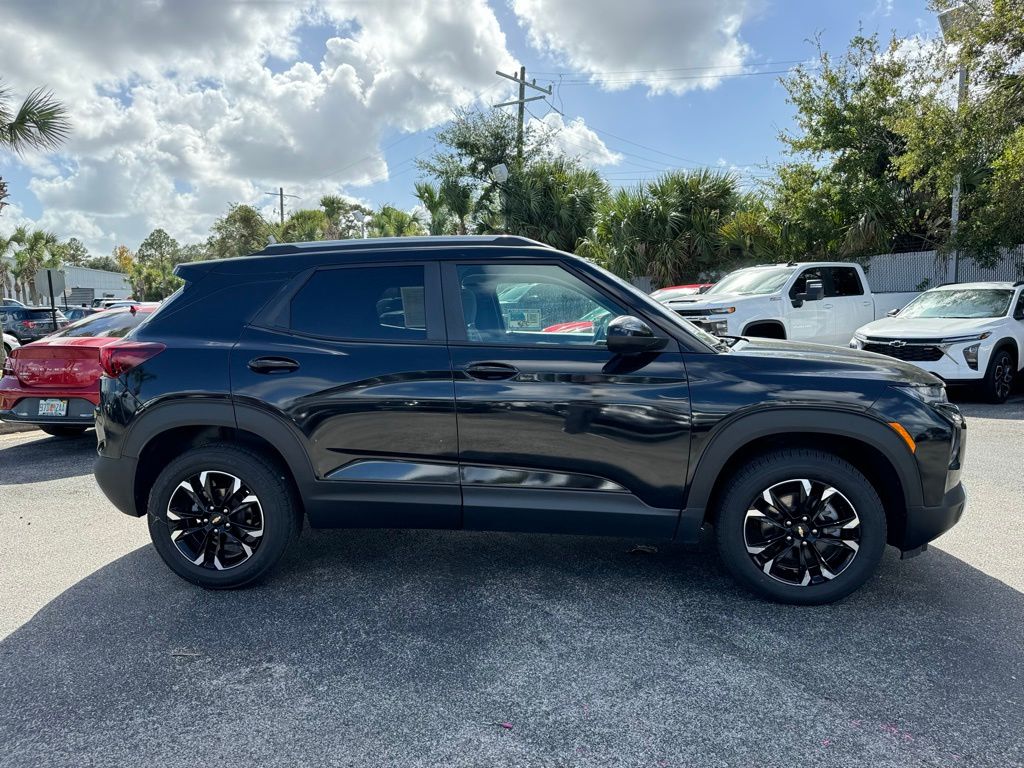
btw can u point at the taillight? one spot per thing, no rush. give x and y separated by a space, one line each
9 363
27 324
121 356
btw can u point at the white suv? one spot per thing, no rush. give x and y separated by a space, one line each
964 333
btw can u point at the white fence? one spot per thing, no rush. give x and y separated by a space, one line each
896 272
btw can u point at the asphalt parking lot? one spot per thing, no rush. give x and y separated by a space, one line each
413 648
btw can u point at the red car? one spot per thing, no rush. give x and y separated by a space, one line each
55 382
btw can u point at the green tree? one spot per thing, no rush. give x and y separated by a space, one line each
40 122
8 246
304 225
389 221
106 263
440 217
241 231
153 270
38 250
555 201
74 252
341 217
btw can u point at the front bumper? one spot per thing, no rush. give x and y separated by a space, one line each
952 366
116 478
927 523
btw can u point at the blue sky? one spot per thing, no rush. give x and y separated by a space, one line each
208 106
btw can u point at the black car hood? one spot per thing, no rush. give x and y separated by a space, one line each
801 356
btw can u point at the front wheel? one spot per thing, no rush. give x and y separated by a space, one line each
222 516
999 377
800 526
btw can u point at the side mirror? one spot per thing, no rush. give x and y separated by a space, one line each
628 335
813 291
892 312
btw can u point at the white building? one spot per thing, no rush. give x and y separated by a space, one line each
82 285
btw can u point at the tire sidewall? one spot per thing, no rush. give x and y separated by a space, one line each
280 520
834 472
990 383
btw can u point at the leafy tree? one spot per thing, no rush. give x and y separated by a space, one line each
669 229
389 221
152 274
341 217
241 231
107 263
554 201
38 250
304 225
158 246
74 252
39 122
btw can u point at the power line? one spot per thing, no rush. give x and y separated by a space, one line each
521 103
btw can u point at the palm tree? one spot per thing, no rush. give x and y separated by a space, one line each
41 122
458 199
394 222
39 250
7 249
440 216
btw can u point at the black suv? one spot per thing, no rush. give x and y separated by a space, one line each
493 383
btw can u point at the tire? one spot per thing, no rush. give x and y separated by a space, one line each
265 529
847 554
58 430
999 376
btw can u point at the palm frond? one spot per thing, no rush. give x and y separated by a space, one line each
41 122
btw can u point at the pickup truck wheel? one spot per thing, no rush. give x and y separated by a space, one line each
800 526
999 377
222 516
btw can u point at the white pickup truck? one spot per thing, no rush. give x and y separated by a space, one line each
822 302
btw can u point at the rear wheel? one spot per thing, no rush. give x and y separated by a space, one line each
800 526
58 430
222 516
999 378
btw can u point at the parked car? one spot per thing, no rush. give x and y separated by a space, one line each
28 324
290 384
107 303
969 333
10 343
74 314
675 291
822 302
54 383
6 302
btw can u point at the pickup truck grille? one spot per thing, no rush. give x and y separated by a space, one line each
691 312
905 350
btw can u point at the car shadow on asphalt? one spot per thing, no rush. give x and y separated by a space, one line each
46 458
413 647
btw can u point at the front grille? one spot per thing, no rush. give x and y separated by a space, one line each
914 353
691 312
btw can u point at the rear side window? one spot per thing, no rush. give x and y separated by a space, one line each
40 314
112 323
845 282
369 303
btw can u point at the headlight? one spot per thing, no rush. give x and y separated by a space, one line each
972 337
926 393
971 356
717 327
722 310
857 342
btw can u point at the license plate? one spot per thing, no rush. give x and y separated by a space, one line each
53 407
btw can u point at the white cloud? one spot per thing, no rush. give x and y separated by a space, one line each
181 107
670 46
575 139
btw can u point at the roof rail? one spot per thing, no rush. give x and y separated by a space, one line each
411 242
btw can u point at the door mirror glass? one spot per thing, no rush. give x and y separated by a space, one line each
628 335
815 291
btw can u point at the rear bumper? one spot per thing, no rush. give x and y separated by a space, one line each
116 478
21 404
927 523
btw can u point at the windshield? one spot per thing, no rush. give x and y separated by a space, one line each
963 303
113 324
756 280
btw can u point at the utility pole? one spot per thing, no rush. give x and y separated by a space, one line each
948 20
281 196
520 79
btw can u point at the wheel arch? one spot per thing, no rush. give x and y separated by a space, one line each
776 325
870 445
172 428
1008 343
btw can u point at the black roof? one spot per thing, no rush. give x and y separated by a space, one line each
314 252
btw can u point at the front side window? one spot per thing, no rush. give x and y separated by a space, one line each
960 303
800 284
383 303
538 304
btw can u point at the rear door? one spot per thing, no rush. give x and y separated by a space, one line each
852 308
555 432
353 360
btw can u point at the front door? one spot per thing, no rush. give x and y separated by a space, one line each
356 365
812 321
556 433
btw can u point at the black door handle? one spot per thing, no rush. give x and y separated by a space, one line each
491 371
273 365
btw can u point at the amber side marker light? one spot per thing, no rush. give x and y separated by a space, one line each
902 432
